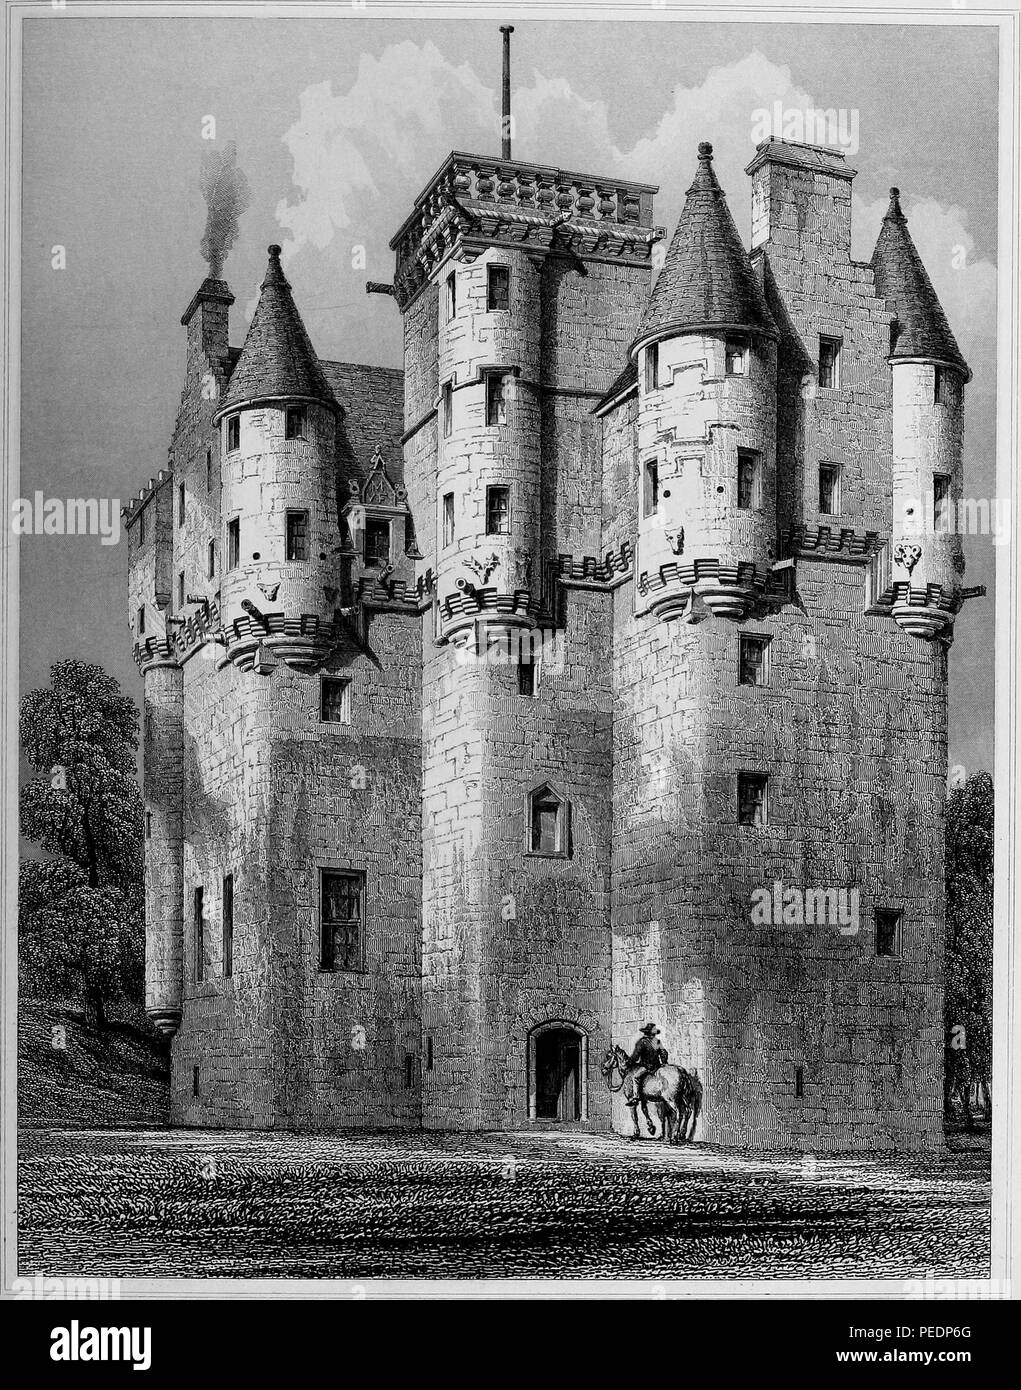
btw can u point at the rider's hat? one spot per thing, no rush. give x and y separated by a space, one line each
650 1029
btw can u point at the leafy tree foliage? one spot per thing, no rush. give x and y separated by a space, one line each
81 911
969 941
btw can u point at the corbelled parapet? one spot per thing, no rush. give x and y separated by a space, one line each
474 202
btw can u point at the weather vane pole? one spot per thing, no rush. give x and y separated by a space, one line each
506 30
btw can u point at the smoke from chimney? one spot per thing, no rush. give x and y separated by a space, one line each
227 195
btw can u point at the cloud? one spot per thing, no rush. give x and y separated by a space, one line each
361 156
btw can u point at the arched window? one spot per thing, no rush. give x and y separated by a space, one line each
547 825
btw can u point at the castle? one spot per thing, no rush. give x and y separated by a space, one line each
482 698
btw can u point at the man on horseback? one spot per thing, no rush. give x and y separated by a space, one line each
647 1057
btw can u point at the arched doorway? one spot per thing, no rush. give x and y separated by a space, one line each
557 1072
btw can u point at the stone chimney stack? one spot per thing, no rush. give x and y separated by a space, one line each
801 202
206 319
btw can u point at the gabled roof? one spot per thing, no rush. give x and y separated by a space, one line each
707 280
921 328
277 360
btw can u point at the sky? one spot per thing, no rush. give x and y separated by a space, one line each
338 125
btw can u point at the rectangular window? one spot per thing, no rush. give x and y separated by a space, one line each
141 620
498 287
799 1082
194 1081
652 367
451 296
297 536
141 528
209 470
650 497
180 504
447 407
751 798
211 560
409 1071
939 386
377 541
335 700
148 825
748 481
496 399
448 518
228 926
200 936
940 502
497 511
736 356
829 362
547 823
526 673
341 921
754 665
888 931
829 488
233 433
294 422
180 591
233 543
429 1053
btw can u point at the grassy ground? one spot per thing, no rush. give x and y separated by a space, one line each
69 1074
566 1205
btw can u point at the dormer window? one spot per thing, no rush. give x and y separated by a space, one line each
233 433
548 827
377 541
498 287
736 357
294 422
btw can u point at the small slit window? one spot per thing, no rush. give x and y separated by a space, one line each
889 933
749 482
233 432
941 502
233 543
141 621
447 408
652 367
448 518
451 296
650 487
211 560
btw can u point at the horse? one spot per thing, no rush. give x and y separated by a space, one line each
677 1092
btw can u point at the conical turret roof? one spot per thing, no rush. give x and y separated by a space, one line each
277 360
921 328
707 280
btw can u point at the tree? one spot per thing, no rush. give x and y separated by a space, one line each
81 911
969 940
